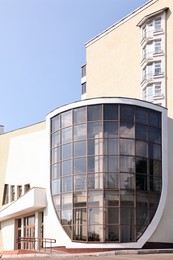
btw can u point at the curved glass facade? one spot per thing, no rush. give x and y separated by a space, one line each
106 171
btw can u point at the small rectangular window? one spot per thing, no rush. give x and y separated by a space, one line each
157 90
157 46
83 88
19 191
157 68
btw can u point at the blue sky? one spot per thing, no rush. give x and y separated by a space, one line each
42 48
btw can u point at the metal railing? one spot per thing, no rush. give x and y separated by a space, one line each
35 243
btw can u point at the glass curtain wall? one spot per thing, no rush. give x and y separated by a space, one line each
106 171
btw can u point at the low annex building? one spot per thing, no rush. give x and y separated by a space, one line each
97 173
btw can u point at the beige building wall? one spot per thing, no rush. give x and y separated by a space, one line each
5 151
113 58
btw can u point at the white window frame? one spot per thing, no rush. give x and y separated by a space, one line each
158 46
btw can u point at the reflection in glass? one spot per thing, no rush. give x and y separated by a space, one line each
141 132
95 181
80 199
112 216
111 164
67 201
127 130
95 164
66 167
127 147
111 147
56 155
110 129
95 147
55 123
79 148
55 186
67 184
95 130
55 139
80 182
67 135
127 181
80 115
142 148
141 115
155 151
127 164
154 135
80 132
66 119
111 180
66 216
154 118
112 233
56 201
95 233
95 198
66 151
94 112
56 170
80 165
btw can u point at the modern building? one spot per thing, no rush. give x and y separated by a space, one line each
97 173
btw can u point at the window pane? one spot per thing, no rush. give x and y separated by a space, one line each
127 130
95 113
141 149
154 135
111 198
79 148
127 164
141 132
127 216
55 139
154 151
111 164
141 115
141 165
112 233
55 123
110 112
66 167
56 155
80 199
80 218
56 170
66 217
80 115
127 147
111 180
110 130
79 182
80 132
95 233
95 198
95 164
95 130
154 118
95 216
95 180
126 113
55 186
67 201
111 215
67 184
66 118
155 168
141 182
56 201
66 151
127 181
67 135
80 165
111 146
95 147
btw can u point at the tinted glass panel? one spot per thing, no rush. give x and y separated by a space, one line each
141 132
111 180
66 167
142 149
126 113
95 147
154 118
55 123
111 164
127 164
80 132
79 148
95 164
127 130
95 113
141 115
111 147
67 135
95 130
154 135
110 112
66 151
80 165
110 130
127 147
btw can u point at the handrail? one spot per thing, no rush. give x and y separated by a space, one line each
42 242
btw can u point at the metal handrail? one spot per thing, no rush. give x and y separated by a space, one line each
41 241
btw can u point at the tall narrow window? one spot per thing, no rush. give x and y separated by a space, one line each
157 68
12 193
157 24
157 47
6 194
157 90
19 191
